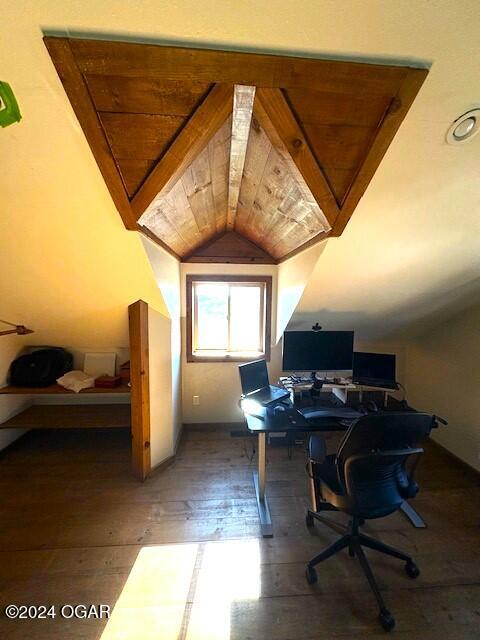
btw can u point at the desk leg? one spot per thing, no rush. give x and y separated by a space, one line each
412 515
259 482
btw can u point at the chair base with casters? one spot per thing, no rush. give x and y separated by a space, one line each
369 477
354 540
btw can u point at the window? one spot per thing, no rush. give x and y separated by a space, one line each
228 318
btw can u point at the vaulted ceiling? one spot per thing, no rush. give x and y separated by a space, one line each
232 157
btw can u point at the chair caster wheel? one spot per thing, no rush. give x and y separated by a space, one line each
412 570
309 520
386 620
310 574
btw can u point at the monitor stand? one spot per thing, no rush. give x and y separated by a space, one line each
317 384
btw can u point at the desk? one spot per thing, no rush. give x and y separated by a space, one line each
279 423
272 424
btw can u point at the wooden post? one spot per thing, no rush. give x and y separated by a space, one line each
140 394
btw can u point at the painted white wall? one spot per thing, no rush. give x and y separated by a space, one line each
217 383
10 348
161 397
166 271
293 275
443 377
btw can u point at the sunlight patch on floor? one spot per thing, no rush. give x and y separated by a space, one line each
230 572
152 602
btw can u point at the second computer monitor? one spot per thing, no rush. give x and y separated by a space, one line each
317 350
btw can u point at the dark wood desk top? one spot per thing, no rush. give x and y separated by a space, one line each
279 422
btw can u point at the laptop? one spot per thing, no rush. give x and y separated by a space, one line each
374 370
256 385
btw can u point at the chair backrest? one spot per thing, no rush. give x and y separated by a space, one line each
371 460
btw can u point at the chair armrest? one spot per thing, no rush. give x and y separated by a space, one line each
317 449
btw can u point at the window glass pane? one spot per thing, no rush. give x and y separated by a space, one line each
245 321
212 316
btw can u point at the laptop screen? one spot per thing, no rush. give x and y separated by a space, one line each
253 376
373 366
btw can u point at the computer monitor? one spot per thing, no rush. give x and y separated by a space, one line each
374 369
253 376
317 350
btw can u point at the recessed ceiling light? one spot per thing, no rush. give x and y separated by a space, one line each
464 128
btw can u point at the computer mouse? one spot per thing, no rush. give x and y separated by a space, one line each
371 406
279 408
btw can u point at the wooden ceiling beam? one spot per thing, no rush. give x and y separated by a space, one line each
128 59
310 147
145 231
386 131
191 140
275 116
306 245
242 115
79 96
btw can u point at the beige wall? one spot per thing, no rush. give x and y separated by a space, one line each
69 269
443 377
10 347
412 246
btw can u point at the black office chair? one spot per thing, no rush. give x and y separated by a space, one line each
369 477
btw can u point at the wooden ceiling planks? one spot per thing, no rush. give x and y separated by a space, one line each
243 98
219 157
180 166
230 247
272 210
195 209
141 117
190 141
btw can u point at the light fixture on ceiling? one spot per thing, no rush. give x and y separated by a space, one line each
464 128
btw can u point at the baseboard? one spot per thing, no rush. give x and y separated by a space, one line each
161 466
456 458
213 426
178 440
11 446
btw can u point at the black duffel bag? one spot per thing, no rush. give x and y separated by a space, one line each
41 367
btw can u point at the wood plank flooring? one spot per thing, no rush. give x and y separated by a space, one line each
183 556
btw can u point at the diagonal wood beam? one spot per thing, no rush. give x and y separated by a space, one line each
242 115
191 140
79 96
386 131
276 118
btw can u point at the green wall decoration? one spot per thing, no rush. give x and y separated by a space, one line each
9 110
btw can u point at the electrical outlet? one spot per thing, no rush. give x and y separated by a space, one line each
196 400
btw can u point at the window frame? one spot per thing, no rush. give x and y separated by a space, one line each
229 279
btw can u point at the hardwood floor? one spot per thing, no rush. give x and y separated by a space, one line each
75 527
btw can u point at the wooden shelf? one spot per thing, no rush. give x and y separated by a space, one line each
57 389
71 416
